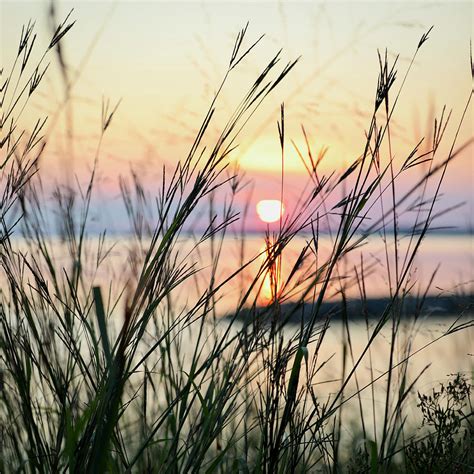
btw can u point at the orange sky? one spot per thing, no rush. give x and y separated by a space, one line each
165 60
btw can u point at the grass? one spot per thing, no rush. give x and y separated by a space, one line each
124 377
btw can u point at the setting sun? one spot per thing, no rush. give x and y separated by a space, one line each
270 210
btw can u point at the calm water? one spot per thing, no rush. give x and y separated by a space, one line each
448 355
450 256
433 359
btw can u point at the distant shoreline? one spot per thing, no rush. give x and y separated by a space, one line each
232 233
372 308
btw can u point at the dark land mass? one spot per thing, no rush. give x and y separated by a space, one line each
429 307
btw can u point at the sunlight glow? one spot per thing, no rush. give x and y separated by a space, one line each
270 210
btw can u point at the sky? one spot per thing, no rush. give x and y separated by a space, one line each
165 60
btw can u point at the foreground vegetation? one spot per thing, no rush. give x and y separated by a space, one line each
124 377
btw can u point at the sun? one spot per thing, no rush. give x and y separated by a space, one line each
270 210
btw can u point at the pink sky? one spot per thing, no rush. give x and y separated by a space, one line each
165 61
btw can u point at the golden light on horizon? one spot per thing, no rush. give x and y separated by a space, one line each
270 210
271 285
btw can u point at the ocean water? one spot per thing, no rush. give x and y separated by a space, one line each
443 266
427 346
